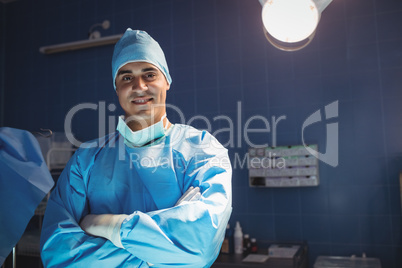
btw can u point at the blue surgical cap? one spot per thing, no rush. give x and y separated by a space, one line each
138 46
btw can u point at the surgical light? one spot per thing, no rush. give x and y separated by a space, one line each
291 24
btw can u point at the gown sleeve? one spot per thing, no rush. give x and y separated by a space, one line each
190 234
63 242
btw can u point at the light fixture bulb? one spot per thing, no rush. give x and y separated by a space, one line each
290 20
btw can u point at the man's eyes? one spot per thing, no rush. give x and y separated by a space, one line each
148 76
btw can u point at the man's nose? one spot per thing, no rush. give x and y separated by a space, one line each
139 84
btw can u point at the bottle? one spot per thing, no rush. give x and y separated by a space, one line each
254 246
238 239
226 241
246 245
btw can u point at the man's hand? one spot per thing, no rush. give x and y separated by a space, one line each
104 225
192 194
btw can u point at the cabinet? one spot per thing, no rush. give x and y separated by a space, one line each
284 166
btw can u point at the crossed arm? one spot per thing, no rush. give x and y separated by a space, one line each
108 225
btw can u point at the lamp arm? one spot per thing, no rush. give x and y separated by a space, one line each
321 4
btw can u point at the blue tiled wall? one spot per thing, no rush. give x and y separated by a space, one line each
2 61
218 57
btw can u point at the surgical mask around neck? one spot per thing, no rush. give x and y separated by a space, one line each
141 137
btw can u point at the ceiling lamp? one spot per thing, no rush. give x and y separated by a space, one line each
291 24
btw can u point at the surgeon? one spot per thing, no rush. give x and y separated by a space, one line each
152 194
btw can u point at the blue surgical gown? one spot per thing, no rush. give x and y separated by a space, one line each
145 183
24 182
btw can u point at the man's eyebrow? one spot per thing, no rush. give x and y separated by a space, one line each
142 70
149 69
124 72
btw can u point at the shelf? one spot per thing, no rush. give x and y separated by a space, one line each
284 166
102 41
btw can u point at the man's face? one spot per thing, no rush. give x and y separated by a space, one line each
141 89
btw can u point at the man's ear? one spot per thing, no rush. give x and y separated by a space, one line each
168 85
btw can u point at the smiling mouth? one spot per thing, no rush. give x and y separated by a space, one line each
141 101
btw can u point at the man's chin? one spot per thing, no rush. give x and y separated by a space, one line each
142 118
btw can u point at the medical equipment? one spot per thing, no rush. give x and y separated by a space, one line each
94 40
290 25
283 166
24 182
